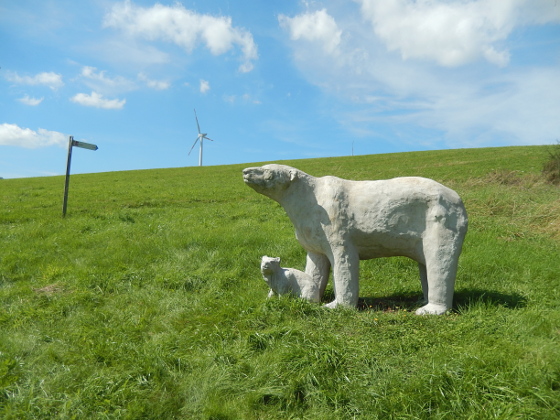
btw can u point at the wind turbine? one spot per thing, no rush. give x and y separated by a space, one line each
201 137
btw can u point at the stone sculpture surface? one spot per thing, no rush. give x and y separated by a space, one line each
288 280
340 222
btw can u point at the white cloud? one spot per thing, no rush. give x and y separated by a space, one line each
318 26
453 33
250 99
245 98
154 84
98 81
97 100
129 53
26 100
13 135
183 27
521 107
430 99
229 98
204 86
49 79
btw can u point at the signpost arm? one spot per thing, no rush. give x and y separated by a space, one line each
67 182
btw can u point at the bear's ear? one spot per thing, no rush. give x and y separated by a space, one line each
293 174
277 259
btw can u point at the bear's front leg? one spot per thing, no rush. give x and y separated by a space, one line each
346 272
318 267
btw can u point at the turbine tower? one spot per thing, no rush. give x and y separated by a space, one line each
201 137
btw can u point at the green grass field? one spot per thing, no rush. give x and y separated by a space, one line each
147 302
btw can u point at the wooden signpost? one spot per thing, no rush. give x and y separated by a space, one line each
71 144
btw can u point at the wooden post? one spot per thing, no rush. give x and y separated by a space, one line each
67 182
71 144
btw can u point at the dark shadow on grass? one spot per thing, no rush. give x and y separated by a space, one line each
397 302
463 301
466 298
404 301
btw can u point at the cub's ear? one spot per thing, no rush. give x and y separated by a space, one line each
277 259
293 174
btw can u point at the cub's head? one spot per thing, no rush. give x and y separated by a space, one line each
270 180
269 265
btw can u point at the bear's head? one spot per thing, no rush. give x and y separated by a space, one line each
269 265
270 180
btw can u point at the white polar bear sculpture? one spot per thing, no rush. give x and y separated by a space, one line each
341 222
288 280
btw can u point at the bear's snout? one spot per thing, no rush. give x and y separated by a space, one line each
252 175
247 172
270 180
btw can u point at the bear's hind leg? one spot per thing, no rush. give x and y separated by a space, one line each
441 269
441 283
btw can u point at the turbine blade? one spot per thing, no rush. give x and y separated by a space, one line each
194 144
197 124
208 138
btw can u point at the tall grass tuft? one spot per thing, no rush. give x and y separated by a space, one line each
551 168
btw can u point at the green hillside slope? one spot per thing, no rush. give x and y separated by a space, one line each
146 301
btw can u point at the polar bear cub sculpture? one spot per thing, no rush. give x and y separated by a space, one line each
340 222
288 280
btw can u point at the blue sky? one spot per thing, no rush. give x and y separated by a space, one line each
270 80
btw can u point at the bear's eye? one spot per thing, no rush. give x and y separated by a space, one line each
268 176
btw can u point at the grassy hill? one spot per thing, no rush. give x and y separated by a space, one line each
146 301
